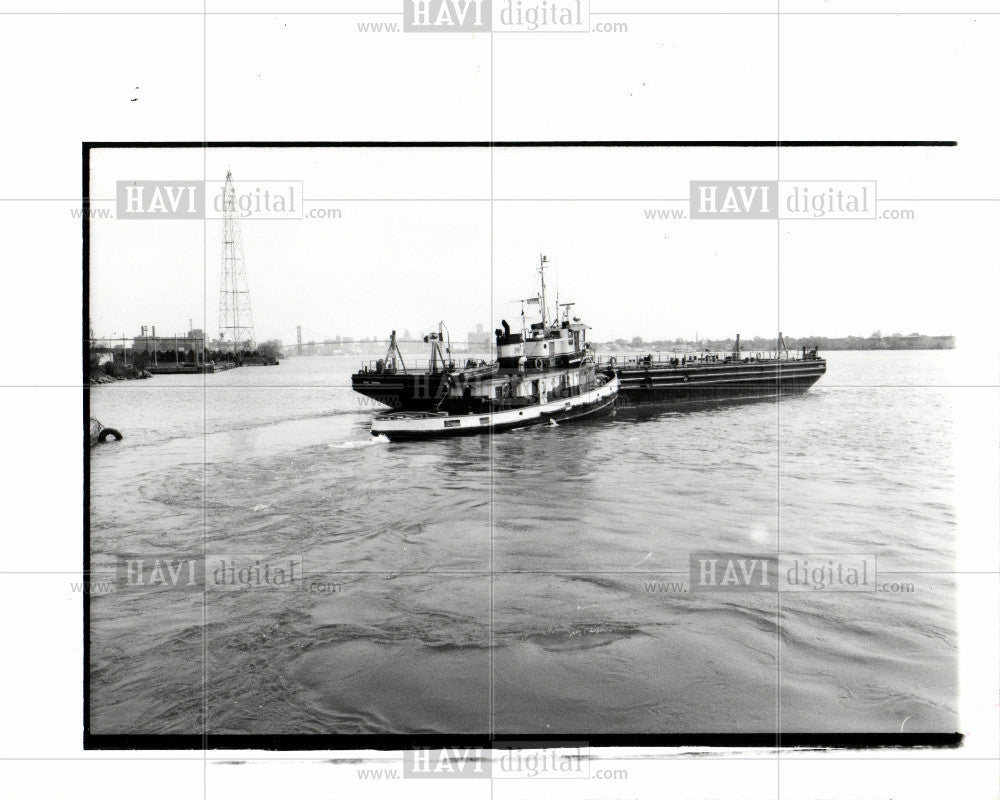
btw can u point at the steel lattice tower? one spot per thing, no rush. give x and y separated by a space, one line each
235 313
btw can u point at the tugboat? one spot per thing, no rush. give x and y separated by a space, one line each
546 373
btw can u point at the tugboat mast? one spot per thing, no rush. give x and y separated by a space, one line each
541 271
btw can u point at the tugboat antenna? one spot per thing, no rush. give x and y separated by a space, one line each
541 271
557 297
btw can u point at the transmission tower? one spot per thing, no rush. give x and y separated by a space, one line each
235 313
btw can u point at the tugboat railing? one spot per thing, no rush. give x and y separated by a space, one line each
422 367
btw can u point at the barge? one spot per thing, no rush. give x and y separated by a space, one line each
710 377
550 361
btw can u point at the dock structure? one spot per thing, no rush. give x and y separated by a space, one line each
180 354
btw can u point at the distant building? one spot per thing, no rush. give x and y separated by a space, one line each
147 341
479 340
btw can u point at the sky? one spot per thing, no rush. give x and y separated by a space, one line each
418 240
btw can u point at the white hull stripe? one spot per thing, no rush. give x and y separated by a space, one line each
525 415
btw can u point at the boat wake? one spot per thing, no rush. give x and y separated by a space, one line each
357 444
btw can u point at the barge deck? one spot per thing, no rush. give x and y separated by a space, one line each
654 380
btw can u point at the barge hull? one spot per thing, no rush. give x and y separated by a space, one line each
702 384
418 391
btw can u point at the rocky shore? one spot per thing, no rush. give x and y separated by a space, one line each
130 375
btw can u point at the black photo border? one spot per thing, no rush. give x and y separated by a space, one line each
306 742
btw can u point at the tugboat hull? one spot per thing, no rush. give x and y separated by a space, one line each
423 425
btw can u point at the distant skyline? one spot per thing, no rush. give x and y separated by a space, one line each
311 337
418 241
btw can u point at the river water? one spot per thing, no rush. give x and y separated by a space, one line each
532 582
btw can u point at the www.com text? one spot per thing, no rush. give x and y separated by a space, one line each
108 213
394 27
674 214
386 774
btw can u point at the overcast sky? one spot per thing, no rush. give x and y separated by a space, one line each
418 241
